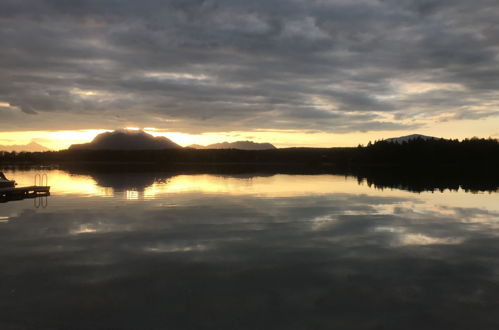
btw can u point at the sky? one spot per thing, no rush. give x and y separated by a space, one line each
292 73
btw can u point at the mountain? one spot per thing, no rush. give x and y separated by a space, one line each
242 145
407 138
126 140
30 147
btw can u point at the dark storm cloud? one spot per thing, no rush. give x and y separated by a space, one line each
335 66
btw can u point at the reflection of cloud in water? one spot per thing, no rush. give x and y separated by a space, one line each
83 229
322 221
402 236
247 260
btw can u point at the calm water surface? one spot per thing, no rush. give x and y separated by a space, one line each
154 251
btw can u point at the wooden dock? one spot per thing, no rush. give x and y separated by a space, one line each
9 194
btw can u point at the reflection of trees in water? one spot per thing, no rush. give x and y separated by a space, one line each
413 180
418 180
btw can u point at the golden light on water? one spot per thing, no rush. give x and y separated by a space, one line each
275 186
70 191
132 194
64 184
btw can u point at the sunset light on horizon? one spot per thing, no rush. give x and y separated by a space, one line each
63 139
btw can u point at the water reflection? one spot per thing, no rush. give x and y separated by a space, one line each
429 179
219 252
105 183
41 202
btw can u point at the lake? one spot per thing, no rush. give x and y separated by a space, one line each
152 250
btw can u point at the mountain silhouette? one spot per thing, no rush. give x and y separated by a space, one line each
411 137
30 147
126 140
242 145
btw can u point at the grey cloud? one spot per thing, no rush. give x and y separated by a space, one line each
475 114
229 64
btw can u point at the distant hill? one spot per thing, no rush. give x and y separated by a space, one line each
30 147
242 145
126 140
407 138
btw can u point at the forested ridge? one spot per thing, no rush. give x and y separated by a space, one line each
414 153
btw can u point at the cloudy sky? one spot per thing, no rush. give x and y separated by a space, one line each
294 72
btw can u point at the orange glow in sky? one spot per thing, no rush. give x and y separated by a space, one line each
62 139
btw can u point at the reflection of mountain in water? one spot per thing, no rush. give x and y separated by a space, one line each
120 178
416 179
128 180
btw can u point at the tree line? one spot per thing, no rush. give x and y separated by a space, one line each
414 153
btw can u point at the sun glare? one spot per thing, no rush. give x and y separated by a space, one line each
55 140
